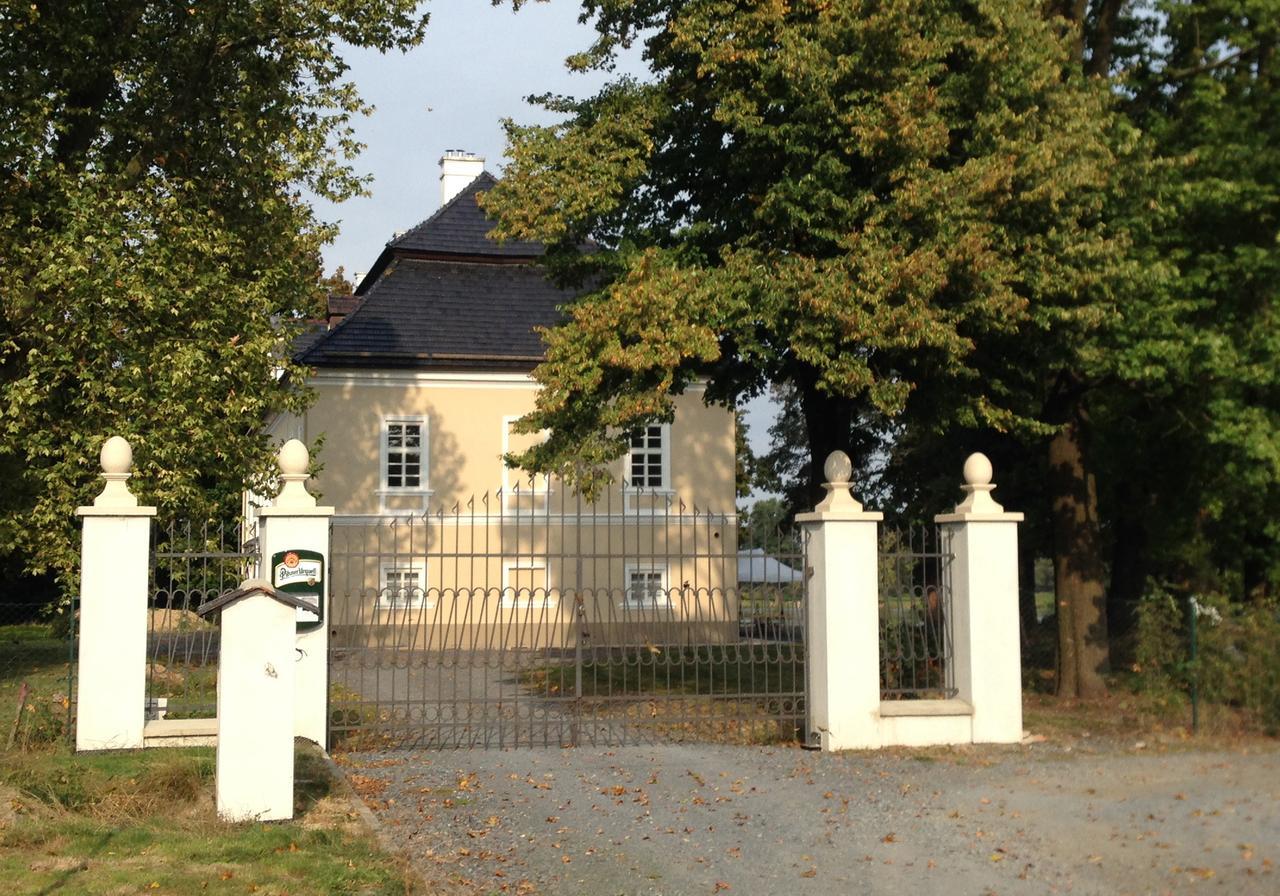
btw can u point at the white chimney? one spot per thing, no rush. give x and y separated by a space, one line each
458 168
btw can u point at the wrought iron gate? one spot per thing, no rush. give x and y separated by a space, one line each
534 619
191 562
915 614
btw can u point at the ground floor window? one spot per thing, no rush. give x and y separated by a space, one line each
525 583
646 586
402 587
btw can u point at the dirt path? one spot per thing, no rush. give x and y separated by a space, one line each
675 820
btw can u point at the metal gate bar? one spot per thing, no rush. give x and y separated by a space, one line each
536 618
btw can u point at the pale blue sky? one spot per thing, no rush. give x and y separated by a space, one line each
476 65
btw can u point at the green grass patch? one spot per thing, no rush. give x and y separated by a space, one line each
144 821
744 693
32 654
729 670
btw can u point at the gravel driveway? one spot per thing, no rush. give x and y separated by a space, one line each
703 819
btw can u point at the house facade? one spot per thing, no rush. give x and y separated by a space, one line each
419 378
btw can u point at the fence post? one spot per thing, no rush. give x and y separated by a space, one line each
295 524
843 615
112 667
984 606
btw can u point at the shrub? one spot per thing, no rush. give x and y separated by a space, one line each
1237 663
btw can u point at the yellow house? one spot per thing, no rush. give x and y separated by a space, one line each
418 380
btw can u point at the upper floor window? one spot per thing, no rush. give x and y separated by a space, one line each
649 460
404 453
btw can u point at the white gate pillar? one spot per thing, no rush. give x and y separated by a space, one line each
295 523
112 665
984 607
842 618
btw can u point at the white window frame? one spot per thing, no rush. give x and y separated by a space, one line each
541 485
422 489
417 602
665 450
510 600
646 603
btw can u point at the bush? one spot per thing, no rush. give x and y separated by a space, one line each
1237 662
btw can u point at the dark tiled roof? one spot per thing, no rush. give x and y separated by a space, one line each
436 313
308 337
461 228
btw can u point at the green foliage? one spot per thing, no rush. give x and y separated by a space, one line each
845 197
155 253
1236 663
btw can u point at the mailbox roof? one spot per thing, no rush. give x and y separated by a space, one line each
248 588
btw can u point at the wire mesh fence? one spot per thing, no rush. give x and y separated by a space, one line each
36 674
191 562
915 614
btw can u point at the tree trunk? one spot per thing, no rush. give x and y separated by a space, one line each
828 420
1081 587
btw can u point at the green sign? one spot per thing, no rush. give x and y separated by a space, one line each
301 573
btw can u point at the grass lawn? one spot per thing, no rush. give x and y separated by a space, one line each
31 654
748 669
744 693
144 822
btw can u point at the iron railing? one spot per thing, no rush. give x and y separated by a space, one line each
191 562
915 614
536 619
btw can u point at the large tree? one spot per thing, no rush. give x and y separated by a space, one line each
849 199
154 245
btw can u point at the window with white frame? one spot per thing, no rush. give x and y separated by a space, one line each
649 458
404 454
525 583
646 586
402 587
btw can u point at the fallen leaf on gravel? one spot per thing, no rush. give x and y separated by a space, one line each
566 859
1095 859
812 872
889 838
1202 873
734 852
721 885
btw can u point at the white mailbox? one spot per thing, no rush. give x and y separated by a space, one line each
256 670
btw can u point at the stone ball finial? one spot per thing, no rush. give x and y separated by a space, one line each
977 469
294 459
116 456
838 467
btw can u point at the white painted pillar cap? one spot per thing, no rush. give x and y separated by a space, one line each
116 459
839 472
